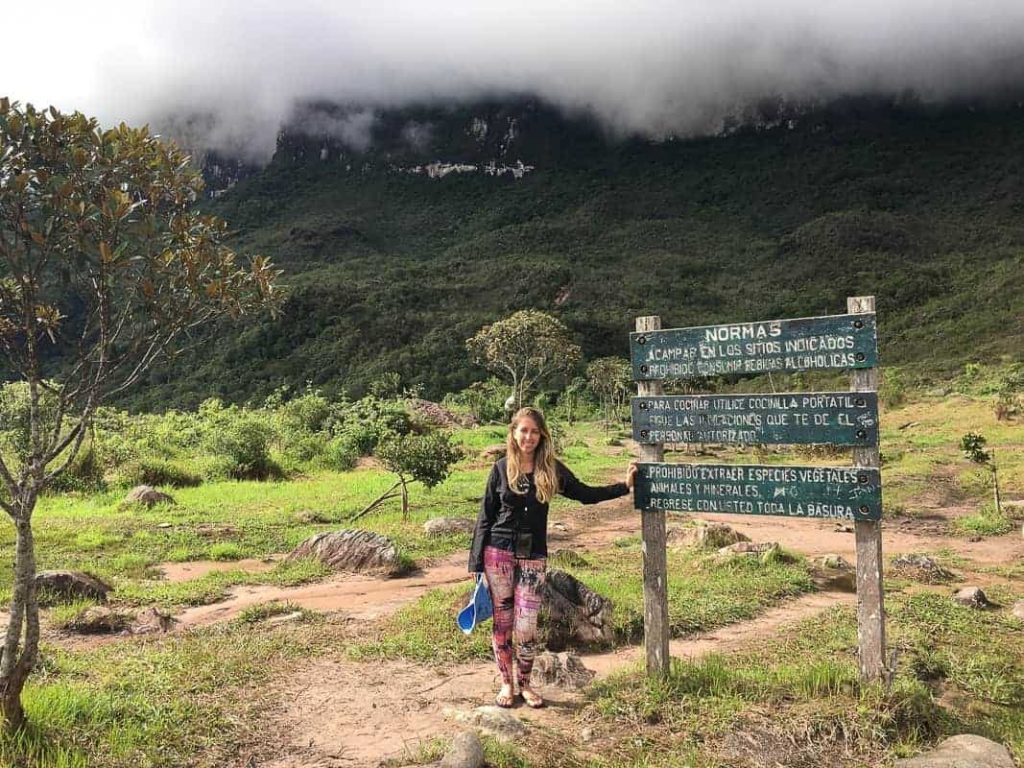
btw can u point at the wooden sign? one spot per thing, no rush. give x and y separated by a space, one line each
843 493
809 343
797 418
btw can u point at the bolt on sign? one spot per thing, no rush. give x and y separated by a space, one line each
809 343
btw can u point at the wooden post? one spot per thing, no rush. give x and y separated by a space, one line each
654 547
870 603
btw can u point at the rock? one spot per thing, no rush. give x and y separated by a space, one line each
705 535
587 735
844 528
1018 609
493 452
494 721
963 751
100 620
568 558
152 621
148 495
351 550
832 573
572 613
284 618
922 568
68 586
563 670
448 526
439 416
465 751
749 548
972 597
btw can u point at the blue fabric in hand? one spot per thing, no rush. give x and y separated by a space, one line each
479 608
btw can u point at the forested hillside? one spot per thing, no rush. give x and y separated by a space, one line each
389 269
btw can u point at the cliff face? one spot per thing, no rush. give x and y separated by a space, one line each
401 232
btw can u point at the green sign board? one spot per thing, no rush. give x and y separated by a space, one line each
847 493
833 418
809 343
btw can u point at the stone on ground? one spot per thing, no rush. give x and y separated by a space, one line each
572 613
148 495
351 550
1018 609
568 558
563 670
152 621
972 597
749 549
963 751
493 452
448 526
922 568
705 535
493 720
832 573
465 751
68 586
100 620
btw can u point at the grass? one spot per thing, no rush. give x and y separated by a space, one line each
703 595
985 522
959 670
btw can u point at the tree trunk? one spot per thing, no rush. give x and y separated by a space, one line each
405 500
375 503
995 488
18 658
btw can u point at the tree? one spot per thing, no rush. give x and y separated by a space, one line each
427 459
526 348
973 446
610 378
104 266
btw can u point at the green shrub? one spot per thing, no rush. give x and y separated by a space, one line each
158 472
339 455
244 438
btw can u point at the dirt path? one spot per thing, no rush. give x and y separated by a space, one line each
341 713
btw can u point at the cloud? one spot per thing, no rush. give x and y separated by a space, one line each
648 67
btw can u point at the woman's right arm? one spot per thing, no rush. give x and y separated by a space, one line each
489 507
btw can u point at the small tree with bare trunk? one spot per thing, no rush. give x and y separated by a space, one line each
104 266
526 347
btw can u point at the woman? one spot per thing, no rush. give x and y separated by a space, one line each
510 541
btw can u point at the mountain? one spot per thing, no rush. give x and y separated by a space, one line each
402 231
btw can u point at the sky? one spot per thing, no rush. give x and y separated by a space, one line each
642 67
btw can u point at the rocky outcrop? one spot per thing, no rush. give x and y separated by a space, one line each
922 568
573 614
563 670
963 751
351 550
68 586
448 526
148 495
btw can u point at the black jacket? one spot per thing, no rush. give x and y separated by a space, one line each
504 512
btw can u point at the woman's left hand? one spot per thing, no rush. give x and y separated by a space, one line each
631 475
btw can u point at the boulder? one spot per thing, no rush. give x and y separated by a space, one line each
148 495
465 751
563 670
832 573
351 550
705 535
922 568
963 751
572 613
100 620
448 526
493 452
972 597
68 586
152 621
492 720
748 549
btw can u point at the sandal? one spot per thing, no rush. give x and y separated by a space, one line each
532 698
505 698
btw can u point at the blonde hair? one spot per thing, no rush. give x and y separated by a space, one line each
545 476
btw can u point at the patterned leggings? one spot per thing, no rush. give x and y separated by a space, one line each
515 591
